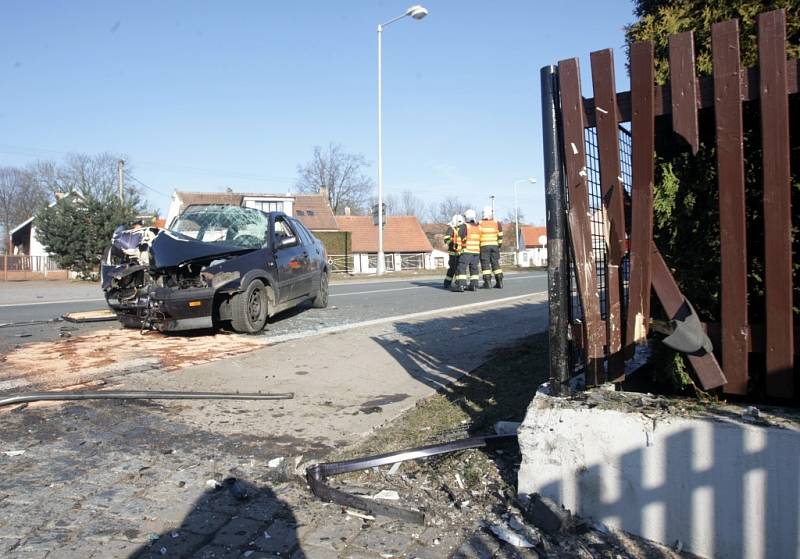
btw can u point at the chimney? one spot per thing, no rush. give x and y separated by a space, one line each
323 191
347 210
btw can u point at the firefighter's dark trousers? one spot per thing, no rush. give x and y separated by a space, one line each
452 270
490 262
468 271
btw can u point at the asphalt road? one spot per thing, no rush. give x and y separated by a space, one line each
30 312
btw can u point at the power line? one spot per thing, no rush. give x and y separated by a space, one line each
149 187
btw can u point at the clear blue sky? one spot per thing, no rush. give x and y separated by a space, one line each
205 95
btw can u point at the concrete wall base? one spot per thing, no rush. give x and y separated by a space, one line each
722 483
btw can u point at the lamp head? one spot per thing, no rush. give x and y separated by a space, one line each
417 12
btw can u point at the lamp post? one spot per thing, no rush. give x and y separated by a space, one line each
516 206
492 199
417 12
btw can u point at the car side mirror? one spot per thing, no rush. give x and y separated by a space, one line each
286 242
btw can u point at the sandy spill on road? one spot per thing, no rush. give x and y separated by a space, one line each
82 358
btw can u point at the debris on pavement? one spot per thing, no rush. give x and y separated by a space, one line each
14 452
275 462
317 474
100 315
387 494
508 535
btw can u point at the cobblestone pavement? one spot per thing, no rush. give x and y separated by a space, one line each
114 479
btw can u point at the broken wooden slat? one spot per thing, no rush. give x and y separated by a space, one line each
705 94
683 88
732 224
578 215
777 202
611 185
668 292
643 168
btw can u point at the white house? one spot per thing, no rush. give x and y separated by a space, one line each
24 241
405 244
532 246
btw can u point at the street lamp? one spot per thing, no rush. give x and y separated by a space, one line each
416 12
516 206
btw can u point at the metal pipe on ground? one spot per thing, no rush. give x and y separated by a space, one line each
318 473
55 396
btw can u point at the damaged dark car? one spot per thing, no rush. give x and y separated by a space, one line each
215 264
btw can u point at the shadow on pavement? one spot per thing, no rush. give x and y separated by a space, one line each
227 522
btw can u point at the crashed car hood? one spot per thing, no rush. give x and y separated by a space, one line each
171 249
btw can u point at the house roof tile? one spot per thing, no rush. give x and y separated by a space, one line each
401 234
315 212
530 235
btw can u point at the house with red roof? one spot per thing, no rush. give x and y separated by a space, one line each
532 246
405 245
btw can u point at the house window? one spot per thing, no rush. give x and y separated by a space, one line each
310 212
268 206
300 212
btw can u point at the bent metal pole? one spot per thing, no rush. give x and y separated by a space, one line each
27 397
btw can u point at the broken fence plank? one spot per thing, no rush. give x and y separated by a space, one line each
777 203
578 216
606 116
683 88
643 146
732 224
706 366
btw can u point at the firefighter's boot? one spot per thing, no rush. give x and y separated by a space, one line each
457 286
487 282
498 281
447 283
473 285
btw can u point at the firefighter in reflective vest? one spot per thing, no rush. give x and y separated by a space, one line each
491 239
453 242
468 271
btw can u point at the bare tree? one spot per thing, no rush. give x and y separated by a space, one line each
91 175
510 226
341 174
410 204
447 208
20 197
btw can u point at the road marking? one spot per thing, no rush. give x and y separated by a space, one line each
52 302
378 321
64 301
426 286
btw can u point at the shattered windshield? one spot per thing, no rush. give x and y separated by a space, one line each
228 225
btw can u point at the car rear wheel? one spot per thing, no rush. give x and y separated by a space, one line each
249 308
321 300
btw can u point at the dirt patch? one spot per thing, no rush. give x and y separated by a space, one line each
81 358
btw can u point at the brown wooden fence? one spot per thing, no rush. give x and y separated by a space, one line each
614 279
23 267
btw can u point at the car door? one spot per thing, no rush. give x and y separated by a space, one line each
311 258
289 259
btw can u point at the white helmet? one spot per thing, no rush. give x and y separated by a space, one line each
487 212
457 220
469 215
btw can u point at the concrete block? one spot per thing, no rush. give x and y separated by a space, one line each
721 485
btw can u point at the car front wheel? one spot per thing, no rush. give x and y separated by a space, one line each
249 308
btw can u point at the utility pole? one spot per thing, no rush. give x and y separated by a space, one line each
121 172
492 199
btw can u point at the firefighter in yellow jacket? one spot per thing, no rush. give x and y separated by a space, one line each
491 239
468 271
453 242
